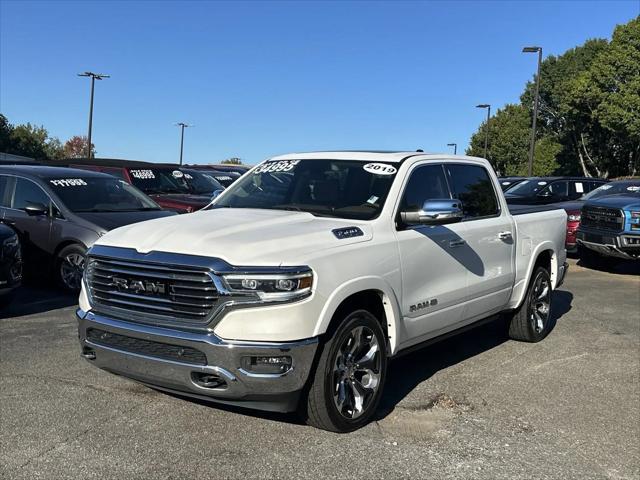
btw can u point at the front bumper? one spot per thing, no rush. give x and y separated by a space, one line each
622 245
138 357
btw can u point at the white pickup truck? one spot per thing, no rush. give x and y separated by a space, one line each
296 286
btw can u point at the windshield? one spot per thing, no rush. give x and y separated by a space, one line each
527 187
100 194
201 183
335 188
159 180
613 188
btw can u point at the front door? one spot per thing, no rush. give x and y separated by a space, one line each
434 261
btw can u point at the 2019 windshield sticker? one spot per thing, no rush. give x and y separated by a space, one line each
277 166
142 174
380 169
68 182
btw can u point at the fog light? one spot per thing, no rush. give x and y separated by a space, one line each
249 283
268 365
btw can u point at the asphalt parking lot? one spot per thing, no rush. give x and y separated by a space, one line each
475 406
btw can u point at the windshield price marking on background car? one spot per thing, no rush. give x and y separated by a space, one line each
68 182
379 169
142 174
279 166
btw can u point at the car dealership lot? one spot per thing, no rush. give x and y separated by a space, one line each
477 405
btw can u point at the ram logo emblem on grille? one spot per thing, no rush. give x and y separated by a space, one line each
139 286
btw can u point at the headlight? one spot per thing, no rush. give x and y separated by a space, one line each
635 217
574 217
272 287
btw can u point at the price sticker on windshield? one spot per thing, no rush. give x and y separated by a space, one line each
142 174
68 182
380 169
277 166
177 174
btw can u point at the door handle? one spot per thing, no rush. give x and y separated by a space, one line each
456 243
504 235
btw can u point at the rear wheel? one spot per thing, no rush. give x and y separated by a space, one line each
349 378
70 267
532 321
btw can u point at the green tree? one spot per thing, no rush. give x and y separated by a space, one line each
508 148
5 134
605 100
232 161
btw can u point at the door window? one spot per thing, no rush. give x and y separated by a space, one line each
472 185
426 182
28 192
558 189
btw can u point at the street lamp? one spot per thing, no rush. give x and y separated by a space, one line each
94 77
535 105
486 128
455 147
182 126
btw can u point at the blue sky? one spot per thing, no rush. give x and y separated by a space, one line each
263 78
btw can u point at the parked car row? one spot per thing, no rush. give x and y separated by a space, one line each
603 218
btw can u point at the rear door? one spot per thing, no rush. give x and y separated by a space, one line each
489 235
433 260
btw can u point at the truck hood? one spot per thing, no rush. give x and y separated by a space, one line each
617 201
240 236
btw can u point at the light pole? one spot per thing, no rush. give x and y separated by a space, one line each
455 147
182 126
94 77
535 105
486 127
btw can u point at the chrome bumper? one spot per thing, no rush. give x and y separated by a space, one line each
275 392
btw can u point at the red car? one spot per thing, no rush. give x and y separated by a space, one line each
164 183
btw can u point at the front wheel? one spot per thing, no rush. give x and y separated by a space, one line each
348 381
70 267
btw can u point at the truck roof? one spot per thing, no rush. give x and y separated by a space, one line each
369 156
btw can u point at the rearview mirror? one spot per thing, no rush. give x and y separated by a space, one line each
435 212
34 209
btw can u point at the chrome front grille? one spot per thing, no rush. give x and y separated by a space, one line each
602 218
139 291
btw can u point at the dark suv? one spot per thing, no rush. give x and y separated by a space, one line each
60 212
163 182
10 263
545 190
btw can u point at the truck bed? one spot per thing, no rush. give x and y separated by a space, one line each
523 209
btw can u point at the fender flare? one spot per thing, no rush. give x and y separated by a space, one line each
389 301
519 294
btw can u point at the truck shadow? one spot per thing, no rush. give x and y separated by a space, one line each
36 297
407 372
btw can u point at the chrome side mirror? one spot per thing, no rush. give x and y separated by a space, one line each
435 212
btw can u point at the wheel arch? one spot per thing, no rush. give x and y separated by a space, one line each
544 255
370 293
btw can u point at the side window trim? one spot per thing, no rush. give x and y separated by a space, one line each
495 194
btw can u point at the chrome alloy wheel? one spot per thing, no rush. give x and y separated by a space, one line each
540 303
356 372
71 270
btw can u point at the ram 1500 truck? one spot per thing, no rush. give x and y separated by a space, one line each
296 286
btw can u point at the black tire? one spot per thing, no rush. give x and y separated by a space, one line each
341 373
68 262
532 321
